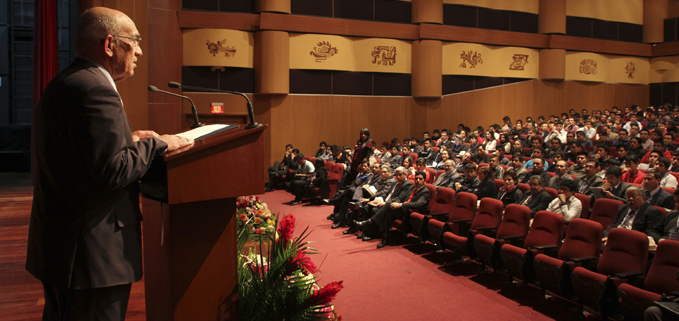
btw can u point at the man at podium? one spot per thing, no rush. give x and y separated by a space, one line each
84 240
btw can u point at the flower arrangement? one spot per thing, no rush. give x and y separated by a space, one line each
279 283
255 214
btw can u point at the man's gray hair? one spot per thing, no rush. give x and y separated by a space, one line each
640 190
400 169
93 28
387 167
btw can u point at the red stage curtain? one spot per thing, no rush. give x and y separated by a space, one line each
45 54
46 50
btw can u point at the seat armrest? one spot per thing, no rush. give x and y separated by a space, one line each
583 259
626 275
487 228
459 221
544 247
437 215
511 237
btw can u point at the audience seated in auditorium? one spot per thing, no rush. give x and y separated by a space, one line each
298 186
278 170
470 183
566 203
561 175
449 177
655 195
405 197
510 193
486 186
637 215
668 180
537 199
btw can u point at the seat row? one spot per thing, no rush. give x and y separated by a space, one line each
564 260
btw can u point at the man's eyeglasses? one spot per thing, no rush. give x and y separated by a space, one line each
137 40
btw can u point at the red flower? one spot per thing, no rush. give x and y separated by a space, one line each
305 262
326 294
286 227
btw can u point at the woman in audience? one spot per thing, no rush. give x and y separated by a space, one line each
420 166
510 193
487 186
362 150
408 165
322 150
445 155
505 143
490 143
463 136
517 148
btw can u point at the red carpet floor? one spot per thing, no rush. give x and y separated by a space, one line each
406 282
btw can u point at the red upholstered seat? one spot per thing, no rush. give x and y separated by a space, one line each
552 192
432 175
463 213
546 231
441 208
439 173
661 279
524 187
585 200
583 241
604 211
413 156
498 184
335 177
512 230
486 221
626 252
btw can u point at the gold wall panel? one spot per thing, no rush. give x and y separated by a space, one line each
587 66
218 47
491 61
328 52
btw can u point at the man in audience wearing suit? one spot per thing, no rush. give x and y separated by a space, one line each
427 153
449 177
354 194
561 175
383 187
615 188
586 182
539 170
84 238
517 166
537 199
637 215
415 198
655 195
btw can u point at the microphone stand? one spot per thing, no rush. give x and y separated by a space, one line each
196 122
251 114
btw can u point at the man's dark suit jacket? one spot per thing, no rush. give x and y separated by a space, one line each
620 191
669 222
594 182
448 180
648 220
419 202
663 199
85 222
383 188
538 203
401 193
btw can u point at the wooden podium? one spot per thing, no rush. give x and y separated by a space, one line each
189 228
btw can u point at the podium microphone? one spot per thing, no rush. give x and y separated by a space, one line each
196 123
251 113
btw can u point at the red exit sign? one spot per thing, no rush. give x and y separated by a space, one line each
217 108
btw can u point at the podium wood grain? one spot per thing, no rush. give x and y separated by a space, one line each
190 237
